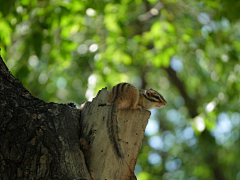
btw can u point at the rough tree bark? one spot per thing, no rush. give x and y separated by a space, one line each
40 140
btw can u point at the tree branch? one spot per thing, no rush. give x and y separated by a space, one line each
42 140
190 103
38 140
205 137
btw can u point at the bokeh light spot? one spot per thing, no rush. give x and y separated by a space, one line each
33 60
154 159
152 127
43 77
155 142
200 124
61 82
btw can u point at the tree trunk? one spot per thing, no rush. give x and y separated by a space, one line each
40 140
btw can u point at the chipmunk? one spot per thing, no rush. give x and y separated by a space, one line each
124 96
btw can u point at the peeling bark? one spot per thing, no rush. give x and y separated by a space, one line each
103 163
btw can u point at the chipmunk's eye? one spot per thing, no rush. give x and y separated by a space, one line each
157 97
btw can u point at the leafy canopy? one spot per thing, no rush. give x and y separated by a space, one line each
187 50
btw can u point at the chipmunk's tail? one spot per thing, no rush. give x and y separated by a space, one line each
112 125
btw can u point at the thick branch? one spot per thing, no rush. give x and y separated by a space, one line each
38 140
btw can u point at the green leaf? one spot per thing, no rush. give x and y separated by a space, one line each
5 32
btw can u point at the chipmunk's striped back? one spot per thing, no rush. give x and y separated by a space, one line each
124 95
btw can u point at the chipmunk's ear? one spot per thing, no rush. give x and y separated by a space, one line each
148 92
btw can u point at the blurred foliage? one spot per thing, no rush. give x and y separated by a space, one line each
188 50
